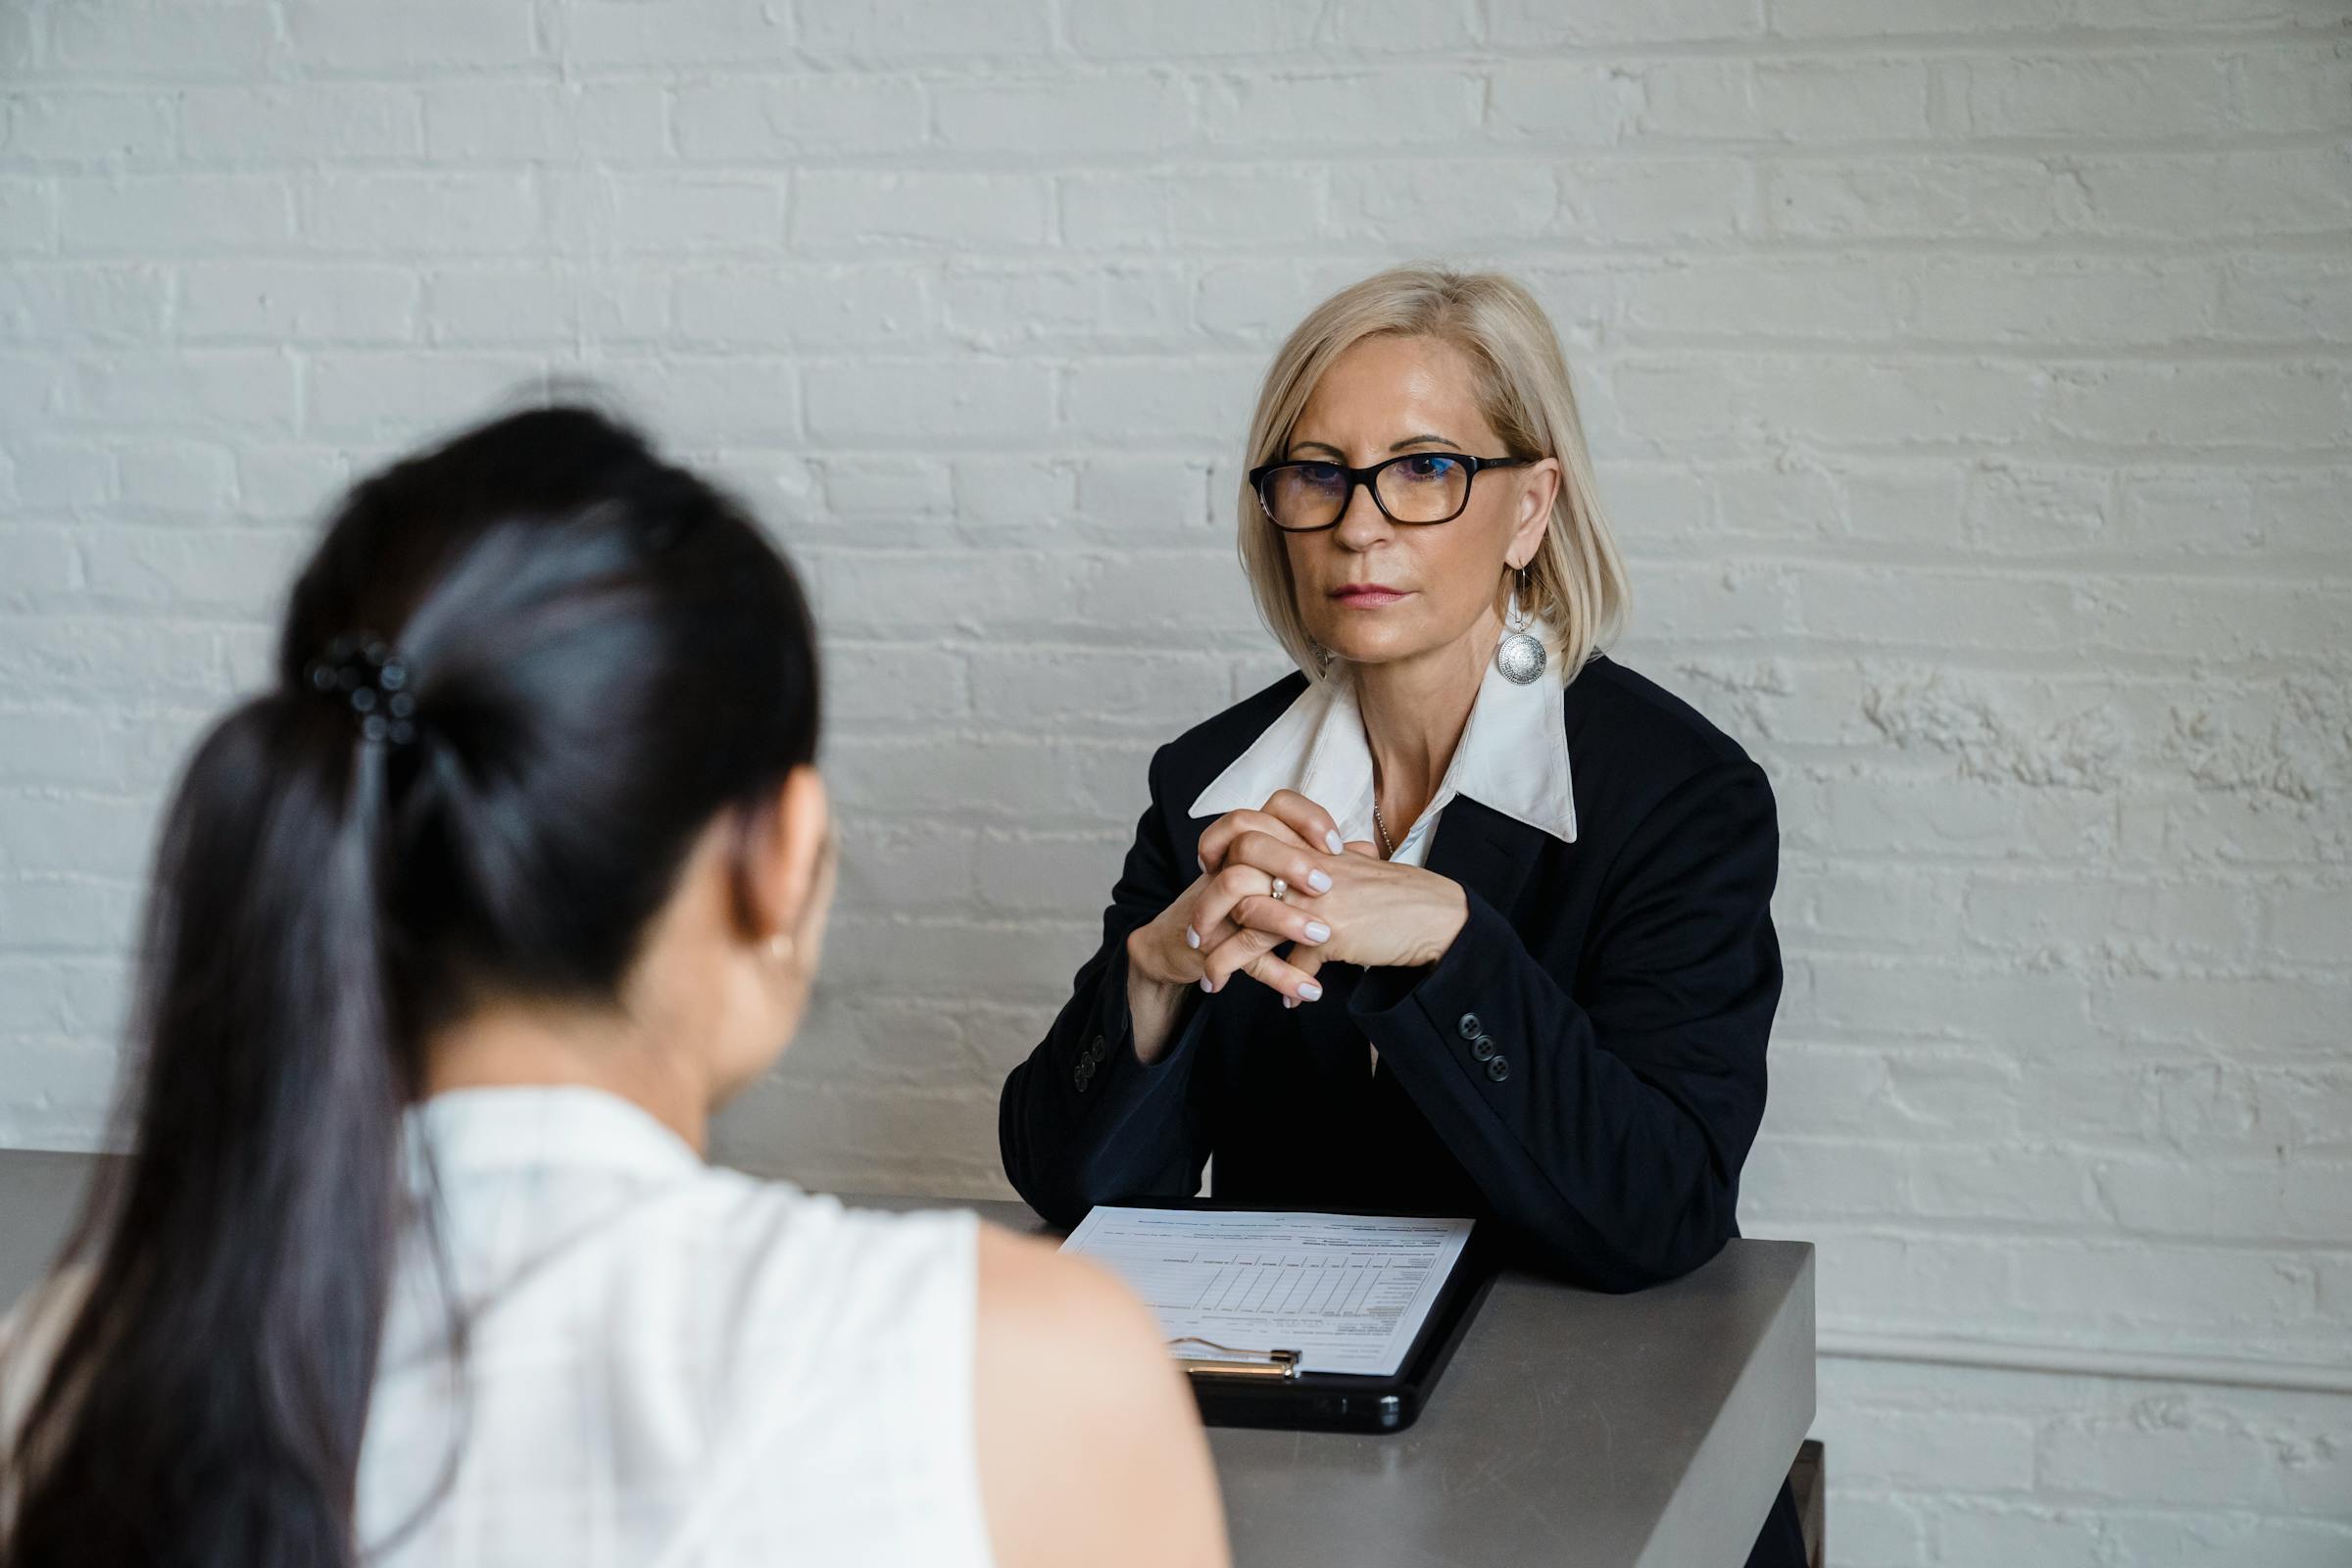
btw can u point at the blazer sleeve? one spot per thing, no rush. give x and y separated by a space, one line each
1083 1120
1611 1139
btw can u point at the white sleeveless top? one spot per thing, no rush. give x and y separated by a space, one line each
669 1364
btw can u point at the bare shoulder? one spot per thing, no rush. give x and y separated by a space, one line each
1070 1362
1028 1274
1067 1329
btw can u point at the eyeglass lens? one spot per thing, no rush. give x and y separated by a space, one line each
1419 487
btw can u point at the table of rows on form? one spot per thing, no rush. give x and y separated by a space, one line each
1283 1283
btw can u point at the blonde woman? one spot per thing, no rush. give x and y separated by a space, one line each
1463 916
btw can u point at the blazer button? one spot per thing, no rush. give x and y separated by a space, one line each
1498 1069
1098 1051
1469 1026
1484 1047
1083 1076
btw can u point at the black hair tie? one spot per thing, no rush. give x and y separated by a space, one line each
363 671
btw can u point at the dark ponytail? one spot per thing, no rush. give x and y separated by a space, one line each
602 655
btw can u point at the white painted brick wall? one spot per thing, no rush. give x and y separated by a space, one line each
1970 381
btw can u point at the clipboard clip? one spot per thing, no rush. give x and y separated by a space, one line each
1277 1366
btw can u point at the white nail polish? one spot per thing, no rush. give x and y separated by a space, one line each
1317 931
1206 986
1192 938
1330 841
1290 1002
1311 992
1320 881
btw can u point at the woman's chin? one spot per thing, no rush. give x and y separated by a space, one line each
1363 640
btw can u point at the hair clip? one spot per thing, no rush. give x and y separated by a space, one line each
362 671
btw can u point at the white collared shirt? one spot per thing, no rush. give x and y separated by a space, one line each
1512 757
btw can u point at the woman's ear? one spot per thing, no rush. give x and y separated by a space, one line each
786 852
1536 499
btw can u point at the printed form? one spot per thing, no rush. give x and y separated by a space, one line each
1347 1292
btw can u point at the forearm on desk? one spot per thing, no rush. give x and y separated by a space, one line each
1611 1181
1615 1136
1123 1128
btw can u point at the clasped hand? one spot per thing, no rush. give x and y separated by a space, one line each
1342 904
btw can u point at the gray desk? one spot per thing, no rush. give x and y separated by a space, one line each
1571 1427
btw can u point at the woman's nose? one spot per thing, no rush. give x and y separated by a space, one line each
1363 524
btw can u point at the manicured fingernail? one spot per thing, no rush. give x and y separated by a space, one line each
1206 986
1320 881
1192 938
1317 931
1290 1002
1332 842
1308 991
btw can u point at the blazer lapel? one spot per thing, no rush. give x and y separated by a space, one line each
1485 851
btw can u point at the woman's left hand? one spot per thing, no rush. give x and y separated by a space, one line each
1380 914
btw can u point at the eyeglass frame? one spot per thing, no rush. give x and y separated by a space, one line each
1368 478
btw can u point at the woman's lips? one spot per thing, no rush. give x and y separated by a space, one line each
1367 596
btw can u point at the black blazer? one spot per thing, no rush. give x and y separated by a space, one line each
1585 1065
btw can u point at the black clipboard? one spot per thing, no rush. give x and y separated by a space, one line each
1262 1386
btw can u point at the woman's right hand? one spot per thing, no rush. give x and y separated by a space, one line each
1240 855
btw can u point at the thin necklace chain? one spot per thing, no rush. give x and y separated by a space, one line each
1387 851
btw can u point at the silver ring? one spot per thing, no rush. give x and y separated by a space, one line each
1280 890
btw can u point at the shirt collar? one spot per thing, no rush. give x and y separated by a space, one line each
1512 757
543 1125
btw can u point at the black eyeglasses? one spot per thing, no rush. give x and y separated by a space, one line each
1418 488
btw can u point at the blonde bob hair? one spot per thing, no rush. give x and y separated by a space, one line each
1577 580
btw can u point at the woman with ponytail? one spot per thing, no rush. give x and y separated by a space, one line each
456 936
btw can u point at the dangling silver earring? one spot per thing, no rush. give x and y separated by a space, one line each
1520 656
1323 659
